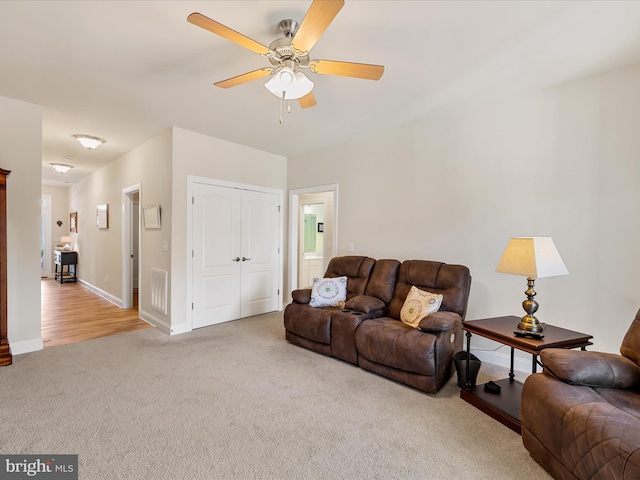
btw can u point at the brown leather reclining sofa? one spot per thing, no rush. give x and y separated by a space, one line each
368 331
581 416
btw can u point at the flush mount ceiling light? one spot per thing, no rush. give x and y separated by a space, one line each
61 167
89 141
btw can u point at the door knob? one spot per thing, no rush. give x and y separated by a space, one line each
244 259
237 259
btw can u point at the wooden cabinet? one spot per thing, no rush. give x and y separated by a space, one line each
5 349
69 259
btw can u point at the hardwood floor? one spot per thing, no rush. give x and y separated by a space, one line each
71 313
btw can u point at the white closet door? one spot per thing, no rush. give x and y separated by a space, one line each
259 291
216 254
235 257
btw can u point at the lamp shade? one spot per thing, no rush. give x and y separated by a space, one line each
294 85
533 257
66 239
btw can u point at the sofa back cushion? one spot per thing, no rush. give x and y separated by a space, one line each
383 280
453 282
357 269
631 343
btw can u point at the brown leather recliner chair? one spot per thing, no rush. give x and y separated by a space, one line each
421 358
581 416
329 330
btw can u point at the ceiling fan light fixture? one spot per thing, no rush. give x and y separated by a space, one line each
293 85
61 167
89 141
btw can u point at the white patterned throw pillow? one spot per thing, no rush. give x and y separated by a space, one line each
418 305
329 292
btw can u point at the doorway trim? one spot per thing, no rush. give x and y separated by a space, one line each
46 207
127 235
294 206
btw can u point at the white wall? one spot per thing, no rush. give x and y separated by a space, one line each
21 152
200 155
457 184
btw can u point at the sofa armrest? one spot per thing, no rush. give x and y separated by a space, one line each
440 322
365 304
302 295
590 369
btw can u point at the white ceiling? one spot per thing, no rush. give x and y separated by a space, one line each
126 70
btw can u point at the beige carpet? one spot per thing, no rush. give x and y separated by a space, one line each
237 401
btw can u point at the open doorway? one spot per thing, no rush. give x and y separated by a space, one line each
313 232
311 251
130 246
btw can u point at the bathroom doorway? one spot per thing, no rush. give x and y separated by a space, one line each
313 233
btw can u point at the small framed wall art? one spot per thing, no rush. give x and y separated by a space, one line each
151 216
73 222
102 217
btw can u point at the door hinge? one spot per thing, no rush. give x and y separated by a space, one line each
278 292
278 207
192 254
193 200
192 306
278 249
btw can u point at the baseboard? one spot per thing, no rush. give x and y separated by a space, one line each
503 359
161 325
26 346
98 291
179 329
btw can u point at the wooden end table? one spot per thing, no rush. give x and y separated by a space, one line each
505 406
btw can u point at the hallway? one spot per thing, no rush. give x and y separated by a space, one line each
71 313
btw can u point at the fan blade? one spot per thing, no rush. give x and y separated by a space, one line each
225 32
244 78
307 101
320 14
347 69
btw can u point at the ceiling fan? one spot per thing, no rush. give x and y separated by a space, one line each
290 55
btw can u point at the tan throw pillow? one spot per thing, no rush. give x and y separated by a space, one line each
418 305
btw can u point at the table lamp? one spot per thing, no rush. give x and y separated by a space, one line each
532 257
67 241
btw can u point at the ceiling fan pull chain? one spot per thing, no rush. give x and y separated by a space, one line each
289 107
281 100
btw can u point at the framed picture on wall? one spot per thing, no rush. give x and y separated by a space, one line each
73 222
103 216
151 216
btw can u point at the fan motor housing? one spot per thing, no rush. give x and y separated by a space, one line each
281 51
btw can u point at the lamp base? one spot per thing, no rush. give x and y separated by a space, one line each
529 323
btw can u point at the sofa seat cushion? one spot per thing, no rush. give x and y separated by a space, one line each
626 400
600 441
390 342
311 323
